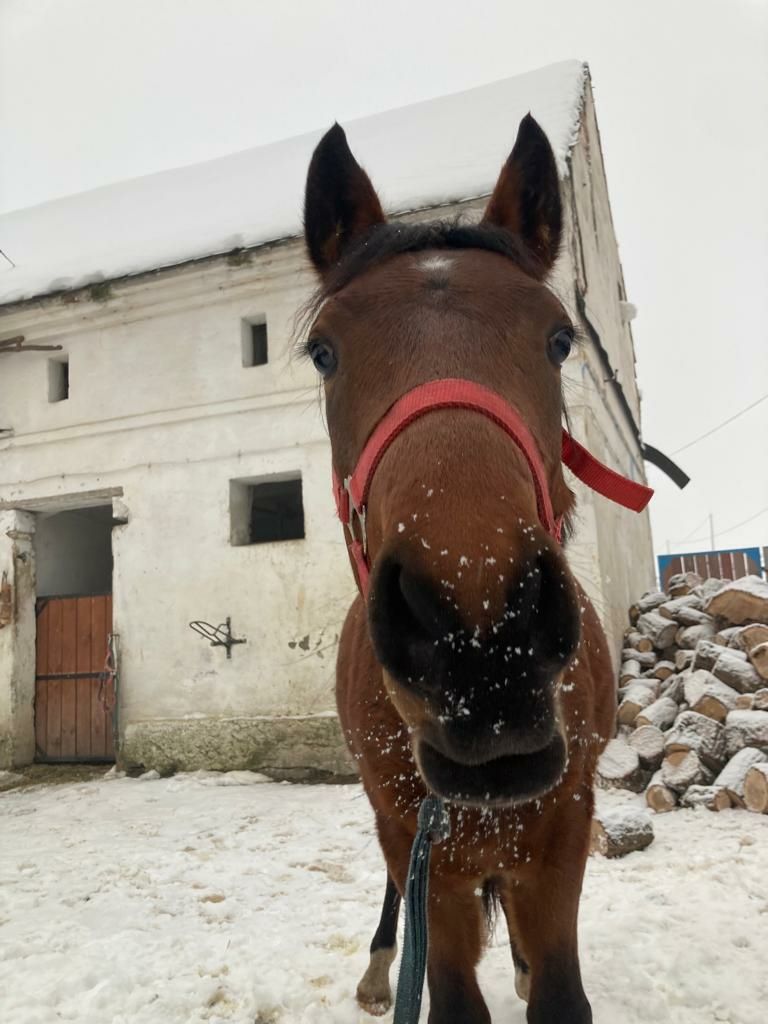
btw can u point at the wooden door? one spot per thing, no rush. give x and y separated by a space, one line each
71 720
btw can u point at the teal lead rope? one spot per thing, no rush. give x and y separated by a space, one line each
434 826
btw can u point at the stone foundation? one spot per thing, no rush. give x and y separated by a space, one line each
301 749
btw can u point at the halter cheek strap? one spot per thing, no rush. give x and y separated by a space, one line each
599 477
351 494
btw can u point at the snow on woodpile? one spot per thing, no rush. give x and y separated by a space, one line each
693 697
620 831
428 154
744 600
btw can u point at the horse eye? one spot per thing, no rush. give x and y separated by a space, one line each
323 356
559 346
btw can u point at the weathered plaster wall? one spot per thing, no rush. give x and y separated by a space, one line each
17 640
619 551
161 407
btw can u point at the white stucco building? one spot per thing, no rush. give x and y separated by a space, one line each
154 428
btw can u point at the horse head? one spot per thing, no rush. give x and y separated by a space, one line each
473 612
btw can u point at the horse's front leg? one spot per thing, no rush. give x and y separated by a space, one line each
457 930
457 934
373 992
541 911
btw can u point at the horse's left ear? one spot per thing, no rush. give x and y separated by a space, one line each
340 203
526 199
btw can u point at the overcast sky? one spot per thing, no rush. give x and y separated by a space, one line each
95 91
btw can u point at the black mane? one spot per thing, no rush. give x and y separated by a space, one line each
387 240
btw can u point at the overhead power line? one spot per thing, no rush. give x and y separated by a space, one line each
728 529
687 537
720 425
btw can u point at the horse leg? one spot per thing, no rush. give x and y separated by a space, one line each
522 974
522 969
457 933
373 992
542 913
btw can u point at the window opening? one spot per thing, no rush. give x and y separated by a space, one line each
58 380
254 342
266 511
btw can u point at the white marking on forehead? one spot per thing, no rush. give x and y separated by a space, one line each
436 263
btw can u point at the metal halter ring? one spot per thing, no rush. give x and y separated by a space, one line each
355 513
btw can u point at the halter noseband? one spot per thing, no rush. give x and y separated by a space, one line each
351 494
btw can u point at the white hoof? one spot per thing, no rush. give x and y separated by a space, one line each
522 983
373 993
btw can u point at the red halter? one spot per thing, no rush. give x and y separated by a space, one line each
456 393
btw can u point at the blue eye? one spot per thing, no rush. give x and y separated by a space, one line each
559 346
323 356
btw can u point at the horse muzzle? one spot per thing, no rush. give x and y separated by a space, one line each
505 780
482 706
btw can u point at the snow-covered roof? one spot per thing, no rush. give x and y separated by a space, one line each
424 155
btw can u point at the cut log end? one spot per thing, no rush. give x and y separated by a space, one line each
756 789
696 732
619 768
617 833
660 798
648 741
721 801
712 707
700 796
663 670
661 713
637 697
758 656
732 778
682 769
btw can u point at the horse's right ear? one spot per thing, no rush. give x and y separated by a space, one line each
526 200
340 203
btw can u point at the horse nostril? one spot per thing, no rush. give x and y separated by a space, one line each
407 620
550 611
422 603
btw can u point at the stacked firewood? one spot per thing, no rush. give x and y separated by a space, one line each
692 720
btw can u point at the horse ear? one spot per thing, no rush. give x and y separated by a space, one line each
340 203
526 199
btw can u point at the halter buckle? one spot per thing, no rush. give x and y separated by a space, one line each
355 514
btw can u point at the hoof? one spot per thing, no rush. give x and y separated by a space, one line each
373 993
522 983
376 1007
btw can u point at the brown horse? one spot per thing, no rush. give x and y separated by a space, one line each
472 665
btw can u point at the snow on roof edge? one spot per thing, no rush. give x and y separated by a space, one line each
207 209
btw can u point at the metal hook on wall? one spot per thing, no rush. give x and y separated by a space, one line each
219 636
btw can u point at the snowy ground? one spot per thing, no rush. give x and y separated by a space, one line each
225 898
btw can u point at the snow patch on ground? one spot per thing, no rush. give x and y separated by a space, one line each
227 898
